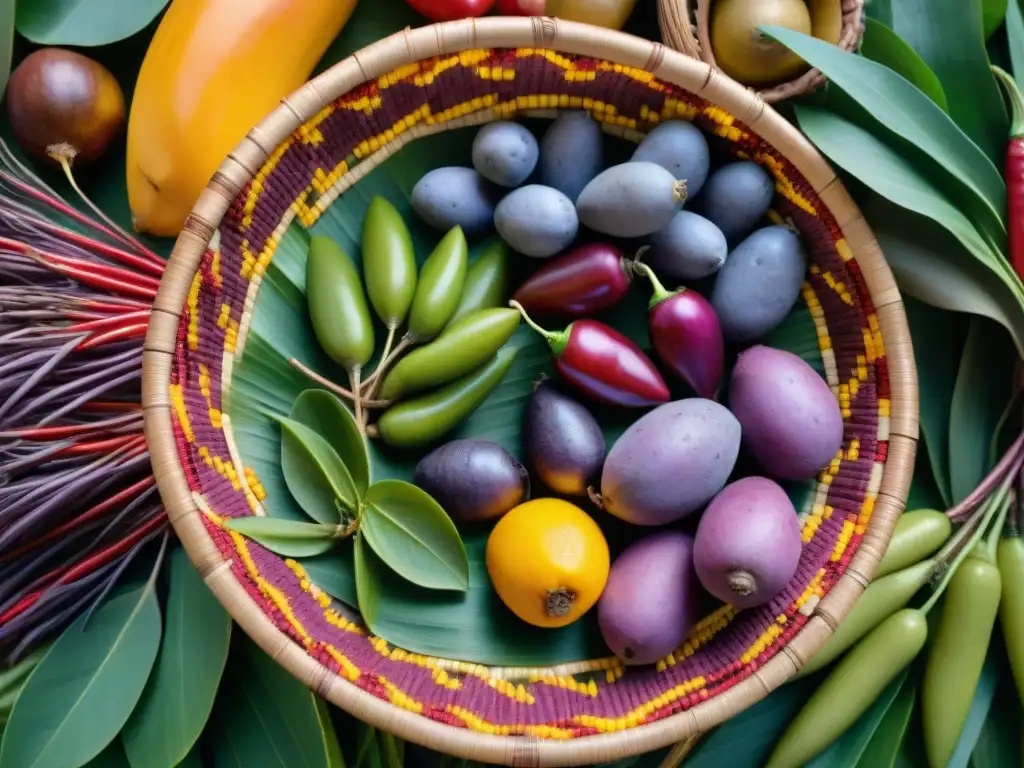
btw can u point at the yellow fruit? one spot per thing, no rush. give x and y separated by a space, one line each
826 19
601 13
548 562
213 70
746 55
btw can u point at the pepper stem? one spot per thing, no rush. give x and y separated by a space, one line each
557 340
660 292
1013 95
353 377
742 583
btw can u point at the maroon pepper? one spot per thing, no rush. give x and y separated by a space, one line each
603 364
581 282
1013 172
686 335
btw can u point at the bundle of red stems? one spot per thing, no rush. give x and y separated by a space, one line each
77 496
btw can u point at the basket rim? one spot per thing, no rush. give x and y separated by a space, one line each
411 45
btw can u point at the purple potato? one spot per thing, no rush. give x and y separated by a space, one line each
562 441
748 543
792 424
650 602
473 479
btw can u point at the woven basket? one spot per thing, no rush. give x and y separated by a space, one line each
202 313
685 27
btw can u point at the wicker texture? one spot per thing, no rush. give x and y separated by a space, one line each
319 143
685 27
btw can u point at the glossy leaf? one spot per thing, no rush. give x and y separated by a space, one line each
112 757
316 476
908 113
193 759
948 36
265 717
993 12
84 22
414 535
7 8
1015 39
368 748
326 415
884 747
82 692
1000 743
370 574
981 706
983 388
879 10
333 572
883 45
286 537
180 692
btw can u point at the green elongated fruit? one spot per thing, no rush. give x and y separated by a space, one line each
337 305
852 687
880 600
463 347
440 286
425 419
1010 557
956 656
389 262
918 534
486 281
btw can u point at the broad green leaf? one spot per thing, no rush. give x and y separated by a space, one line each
179 694
370 573
193 759
84 22
81 694
111 757
1002 735
326 415
924 494
393 749
6 40
13 680
984 695
368 748
949 37
938 338
1015 40
883 45
879 10
265 717
286 537
993 12
882 750
333 572
415 537
316 476
908 113
983 388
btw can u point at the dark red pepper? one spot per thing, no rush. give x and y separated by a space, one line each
603 364
520 7
1013 172
450 10
582 282
686 335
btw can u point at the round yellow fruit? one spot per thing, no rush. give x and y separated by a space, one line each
548 562
746 55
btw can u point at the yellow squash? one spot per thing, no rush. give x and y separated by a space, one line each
213 70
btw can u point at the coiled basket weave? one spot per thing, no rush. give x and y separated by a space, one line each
305 156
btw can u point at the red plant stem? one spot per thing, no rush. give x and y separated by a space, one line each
106 323
96 446
136 331
113 304
99 281
103 249
992 479
106 270
53 433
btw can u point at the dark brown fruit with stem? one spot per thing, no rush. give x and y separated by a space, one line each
64 107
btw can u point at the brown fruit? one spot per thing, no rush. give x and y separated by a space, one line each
62 104
746 55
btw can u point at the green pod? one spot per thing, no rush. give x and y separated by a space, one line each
1010 557
337 305
881 599
486 281
956 656
918 534
440 287
851 687
464 346
389 262
425 419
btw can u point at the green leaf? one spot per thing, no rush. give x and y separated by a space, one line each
415 537
879 10
984 695
180 692
368 748
286 537
82 692
6 40
111 757
193 759
333 572
948 35
393 749
1015 40
908 113
883 45
882 750
316 476
12 681
265 717
326 415
84 22
370 574
924 494
993 12
983 388
1000 742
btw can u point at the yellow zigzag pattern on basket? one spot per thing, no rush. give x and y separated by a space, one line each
476 723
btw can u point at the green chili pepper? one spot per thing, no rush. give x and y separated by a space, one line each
463 347
1010 557
389 262
881 599
440 287
337 305
917 535
851 687
486 281
425 419
957 654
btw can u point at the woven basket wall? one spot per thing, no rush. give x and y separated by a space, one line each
425 81
685 27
